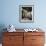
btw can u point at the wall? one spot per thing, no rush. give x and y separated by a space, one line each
9 13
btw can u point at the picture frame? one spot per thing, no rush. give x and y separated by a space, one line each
26 13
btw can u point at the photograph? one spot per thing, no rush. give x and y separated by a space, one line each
26 13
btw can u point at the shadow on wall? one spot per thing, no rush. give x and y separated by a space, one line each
2 26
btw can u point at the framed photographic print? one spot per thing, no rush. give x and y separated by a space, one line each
26 13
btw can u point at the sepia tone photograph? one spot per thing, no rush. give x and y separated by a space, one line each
26 13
